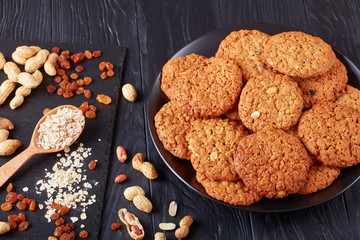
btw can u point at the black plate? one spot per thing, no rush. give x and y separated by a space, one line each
207 45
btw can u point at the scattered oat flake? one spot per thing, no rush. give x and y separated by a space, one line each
74 219
82 226
83 216
25 189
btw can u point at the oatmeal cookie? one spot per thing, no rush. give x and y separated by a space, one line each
325 88
213 144
246 48
298 54
272 162
270 100
171 126
207 89
331 132
174 67
350 97
320 177
235 193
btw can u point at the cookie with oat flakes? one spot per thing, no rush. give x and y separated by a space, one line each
246 48
171 126
272 162
213 144
174 67
270 100
331 133
325 88
298 54
235 193
320 177
207 89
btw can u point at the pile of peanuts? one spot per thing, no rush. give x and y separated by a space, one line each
137 195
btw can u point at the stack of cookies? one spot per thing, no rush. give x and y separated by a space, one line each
267 116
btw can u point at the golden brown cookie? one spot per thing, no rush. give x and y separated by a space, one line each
320 177
331 132
272 162
350 97
298 54
235 193
270 100
176 66
207 89
246 48
172 125
324 88
213 144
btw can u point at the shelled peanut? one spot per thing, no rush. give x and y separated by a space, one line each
132 223
149 171
121 154
7 146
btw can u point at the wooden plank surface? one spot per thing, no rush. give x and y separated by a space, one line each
152 31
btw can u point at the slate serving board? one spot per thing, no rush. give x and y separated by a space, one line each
27 115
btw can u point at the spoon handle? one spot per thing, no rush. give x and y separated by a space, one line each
9 168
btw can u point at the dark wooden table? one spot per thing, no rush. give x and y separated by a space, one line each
152 31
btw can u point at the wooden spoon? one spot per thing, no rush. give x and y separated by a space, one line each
10 168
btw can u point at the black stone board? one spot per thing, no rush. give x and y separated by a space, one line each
27 115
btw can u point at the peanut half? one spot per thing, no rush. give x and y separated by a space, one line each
149 171
173 209
167 226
